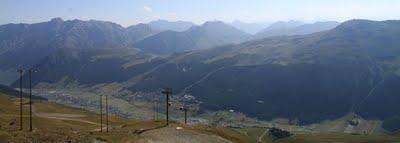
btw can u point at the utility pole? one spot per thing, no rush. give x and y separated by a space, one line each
186 116
154 111
157 109
21 71
167 92
30 99
107 113
184 109
101 113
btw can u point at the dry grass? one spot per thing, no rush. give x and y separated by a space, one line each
58 123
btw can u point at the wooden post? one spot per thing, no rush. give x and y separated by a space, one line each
185 116
30 99
101 113
184 109
167 108
107 113
157 108
21 71
154 110
167 92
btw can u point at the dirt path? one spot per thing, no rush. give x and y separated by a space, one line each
337 127
172 135
373 128
262 136
369 94
59 116
143 75
201 80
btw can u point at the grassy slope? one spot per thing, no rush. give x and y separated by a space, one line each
57 123
53 123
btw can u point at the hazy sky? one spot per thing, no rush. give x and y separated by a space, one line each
128 12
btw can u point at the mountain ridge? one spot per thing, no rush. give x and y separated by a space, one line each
164 25
291 28
210 34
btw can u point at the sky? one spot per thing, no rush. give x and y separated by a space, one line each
130 12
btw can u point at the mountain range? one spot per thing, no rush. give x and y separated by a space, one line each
289 28
251 28
29 44
208 35
352 68
164 25
41 39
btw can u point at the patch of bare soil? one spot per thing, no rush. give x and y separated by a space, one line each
172 135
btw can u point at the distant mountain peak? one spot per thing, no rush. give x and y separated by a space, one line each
318 22
210 34
249 27
140 25
294 27
367 27
165 25
163 20
57 19
140 31
285 24
355 22
237 21
215 22
160 20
